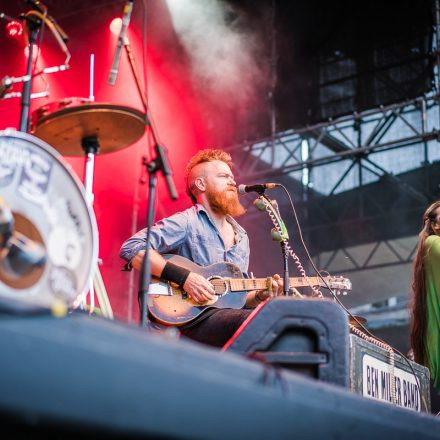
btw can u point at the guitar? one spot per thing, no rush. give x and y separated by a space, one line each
171 305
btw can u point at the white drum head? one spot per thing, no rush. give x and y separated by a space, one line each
50 215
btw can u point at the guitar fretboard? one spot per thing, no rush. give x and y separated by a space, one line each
239 284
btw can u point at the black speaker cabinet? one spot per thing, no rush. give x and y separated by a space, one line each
305 335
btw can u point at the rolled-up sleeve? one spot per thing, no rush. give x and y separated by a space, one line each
166 236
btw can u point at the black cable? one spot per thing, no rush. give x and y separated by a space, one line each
335 296
39 43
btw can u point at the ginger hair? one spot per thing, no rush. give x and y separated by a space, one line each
206 155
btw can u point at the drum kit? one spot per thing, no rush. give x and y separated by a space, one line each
48 231
50 243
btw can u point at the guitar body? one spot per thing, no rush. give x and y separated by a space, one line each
178 309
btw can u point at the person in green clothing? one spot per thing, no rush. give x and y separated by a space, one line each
425 325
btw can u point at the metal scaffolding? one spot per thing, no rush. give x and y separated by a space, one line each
350 146
333 142
280 154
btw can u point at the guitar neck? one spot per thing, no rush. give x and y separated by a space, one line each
240 284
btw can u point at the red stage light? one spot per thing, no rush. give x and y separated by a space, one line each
14 28
115 25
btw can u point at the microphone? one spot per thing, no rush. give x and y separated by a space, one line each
121 40
258 188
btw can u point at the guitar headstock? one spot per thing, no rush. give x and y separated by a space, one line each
337 283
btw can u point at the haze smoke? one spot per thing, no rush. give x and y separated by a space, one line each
225 54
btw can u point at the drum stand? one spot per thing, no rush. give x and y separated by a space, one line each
90 146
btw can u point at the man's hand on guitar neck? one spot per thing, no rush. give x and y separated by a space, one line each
257 296
197 286
201 290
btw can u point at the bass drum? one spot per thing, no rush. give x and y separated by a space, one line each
52 252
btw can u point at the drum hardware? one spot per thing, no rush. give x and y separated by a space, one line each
6 224
20 254
23 257
91 145
65 124
35 19
92 78
33 95
8 81
79 127
38 9
50 246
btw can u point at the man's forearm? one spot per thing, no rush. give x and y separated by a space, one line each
196 285
156 260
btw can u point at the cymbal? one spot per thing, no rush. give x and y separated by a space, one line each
114 126
359 320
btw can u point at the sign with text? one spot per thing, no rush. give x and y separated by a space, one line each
376 383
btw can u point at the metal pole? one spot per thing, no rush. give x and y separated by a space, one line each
286 282
425 147
27 85
145 273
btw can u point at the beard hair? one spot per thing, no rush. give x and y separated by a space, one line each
225 202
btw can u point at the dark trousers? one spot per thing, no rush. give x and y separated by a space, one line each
216 326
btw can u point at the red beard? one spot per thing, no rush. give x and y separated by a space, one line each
225 202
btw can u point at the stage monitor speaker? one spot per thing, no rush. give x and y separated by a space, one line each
305 335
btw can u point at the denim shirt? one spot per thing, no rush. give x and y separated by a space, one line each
192 234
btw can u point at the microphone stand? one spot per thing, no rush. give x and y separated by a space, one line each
159 163
286 283
33 27
281 238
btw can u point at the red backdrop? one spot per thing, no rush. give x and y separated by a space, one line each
120 201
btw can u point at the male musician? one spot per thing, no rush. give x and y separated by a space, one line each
206 233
